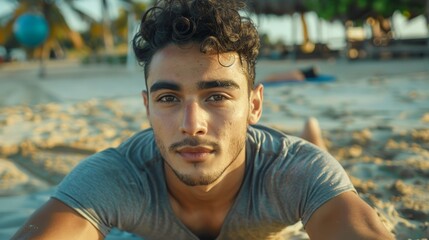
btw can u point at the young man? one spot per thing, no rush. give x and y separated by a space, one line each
204 170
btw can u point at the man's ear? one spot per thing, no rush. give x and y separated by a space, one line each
256 100
146 101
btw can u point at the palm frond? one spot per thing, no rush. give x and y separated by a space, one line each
84 16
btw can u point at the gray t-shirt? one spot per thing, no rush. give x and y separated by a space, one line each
286 180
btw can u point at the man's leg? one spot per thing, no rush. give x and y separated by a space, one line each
312 133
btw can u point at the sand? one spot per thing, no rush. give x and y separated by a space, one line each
374 117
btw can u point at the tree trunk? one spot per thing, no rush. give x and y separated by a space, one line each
427 19
107 31
42 66
307 46
304 28
46 9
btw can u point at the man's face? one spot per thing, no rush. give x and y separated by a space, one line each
199 108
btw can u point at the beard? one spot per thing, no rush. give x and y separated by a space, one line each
235 148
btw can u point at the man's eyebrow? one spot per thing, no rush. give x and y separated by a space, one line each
164 85
218 84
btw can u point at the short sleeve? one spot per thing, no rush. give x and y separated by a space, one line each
104 189
315 177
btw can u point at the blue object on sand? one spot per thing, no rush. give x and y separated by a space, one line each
319 79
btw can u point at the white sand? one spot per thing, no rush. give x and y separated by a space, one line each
375 118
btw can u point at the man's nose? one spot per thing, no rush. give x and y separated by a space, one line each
193 122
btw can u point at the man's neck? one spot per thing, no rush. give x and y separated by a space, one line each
203 209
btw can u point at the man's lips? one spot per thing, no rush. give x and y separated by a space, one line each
194 153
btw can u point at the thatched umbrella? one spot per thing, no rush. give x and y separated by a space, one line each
379 11
284 7
276 7
361 10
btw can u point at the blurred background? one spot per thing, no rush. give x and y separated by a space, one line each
96 31
70 86
92 31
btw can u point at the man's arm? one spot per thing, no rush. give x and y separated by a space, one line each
55 220
346 216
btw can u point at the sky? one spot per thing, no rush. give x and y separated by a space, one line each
285 28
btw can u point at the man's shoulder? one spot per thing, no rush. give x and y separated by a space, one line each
140 148
268 143
267 136
143 135
257 131
142 139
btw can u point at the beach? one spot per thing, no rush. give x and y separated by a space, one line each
374 119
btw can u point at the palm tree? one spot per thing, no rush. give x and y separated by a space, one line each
107 26
112 33
59 29
131 12
107 23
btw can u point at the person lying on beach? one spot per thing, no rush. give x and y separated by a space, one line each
205 169
294 75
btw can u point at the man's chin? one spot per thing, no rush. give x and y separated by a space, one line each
192 180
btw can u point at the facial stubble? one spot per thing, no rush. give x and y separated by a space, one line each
237 146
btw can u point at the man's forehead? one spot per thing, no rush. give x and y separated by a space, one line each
181 51
175 62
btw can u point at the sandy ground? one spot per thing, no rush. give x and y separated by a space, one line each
375 120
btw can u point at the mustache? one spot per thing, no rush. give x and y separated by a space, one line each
193 142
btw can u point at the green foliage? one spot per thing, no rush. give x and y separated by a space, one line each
361 9
362 3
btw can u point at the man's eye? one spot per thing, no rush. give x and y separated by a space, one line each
167 99
216 98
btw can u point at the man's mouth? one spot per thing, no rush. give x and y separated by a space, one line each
194 154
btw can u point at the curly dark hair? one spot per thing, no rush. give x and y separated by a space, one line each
216 25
